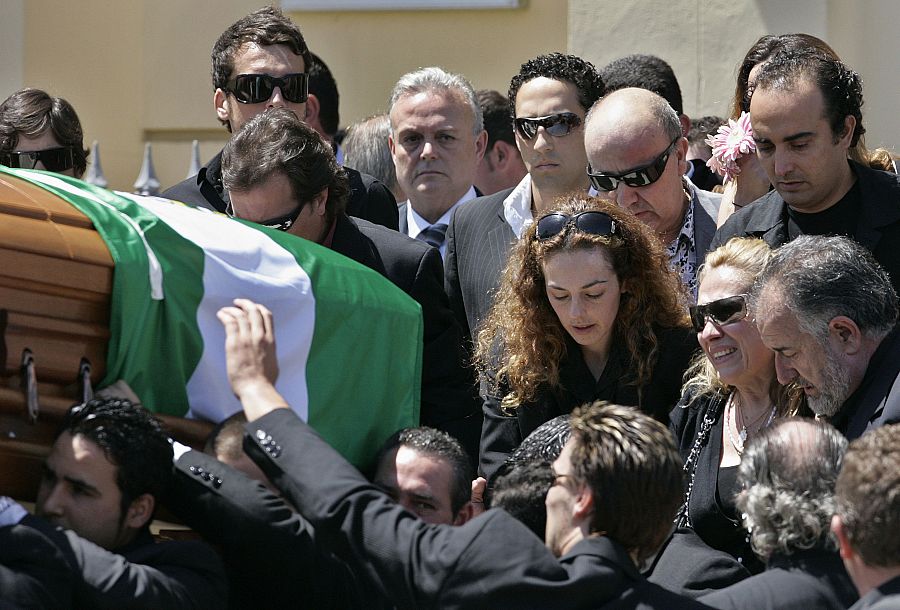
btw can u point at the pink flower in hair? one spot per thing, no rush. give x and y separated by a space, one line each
731 142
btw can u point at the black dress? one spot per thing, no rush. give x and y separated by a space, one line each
697 423
501 433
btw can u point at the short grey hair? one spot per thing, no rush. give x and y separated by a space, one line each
437 79
366 149
820 277
788 473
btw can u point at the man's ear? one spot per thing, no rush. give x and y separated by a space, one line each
681 148
140 511
837 527
221 102
464 514
480 146
849 127
318 202
584 505
846 333
312 110
685 124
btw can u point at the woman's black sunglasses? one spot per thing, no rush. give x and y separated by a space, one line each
721 312
592 222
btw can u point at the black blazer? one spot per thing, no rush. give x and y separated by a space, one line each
478 243
143 574
501 433
33 571
878 227
369 198
493 561
270 552
876 402
805 579
689 567
448 395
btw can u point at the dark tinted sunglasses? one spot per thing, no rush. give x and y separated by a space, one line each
642 176
258 88
279 223
721 312
54 159
557 125
594 223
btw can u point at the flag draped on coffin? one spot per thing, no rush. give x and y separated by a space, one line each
348 341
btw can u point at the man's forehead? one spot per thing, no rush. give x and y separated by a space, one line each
78 455
251 57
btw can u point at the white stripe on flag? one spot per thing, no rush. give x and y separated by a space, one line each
242 262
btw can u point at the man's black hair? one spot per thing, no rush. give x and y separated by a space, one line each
521 492
840 86
322 85
497 119
566 68
644 72
131 438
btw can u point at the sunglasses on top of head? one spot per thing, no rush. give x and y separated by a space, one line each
557 125
591 222
54 159
641 176
721 312
258 88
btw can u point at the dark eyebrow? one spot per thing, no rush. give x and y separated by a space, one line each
84 486
594 283
799 136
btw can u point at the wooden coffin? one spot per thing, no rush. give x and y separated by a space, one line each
55 282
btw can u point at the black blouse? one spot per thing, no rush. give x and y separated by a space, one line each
710 509
501 433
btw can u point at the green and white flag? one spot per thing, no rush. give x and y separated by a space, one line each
348 340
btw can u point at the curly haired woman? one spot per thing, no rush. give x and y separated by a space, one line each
587 310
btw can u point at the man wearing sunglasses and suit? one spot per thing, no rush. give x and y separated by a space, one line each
548 99
259 63
638 155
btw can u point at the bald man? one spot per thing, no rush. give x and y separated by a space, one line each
636 153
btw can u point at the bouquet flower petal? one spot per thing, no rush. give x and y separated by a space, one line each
732 141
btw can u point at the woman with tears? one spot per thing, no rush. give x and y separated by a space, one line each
731 394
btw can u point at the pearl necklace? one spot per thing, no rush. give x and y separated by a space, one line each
742 433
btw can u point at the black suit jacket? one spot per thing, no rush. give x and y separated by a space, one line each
804 580
687 566
448 395
369 198
144 574
493 561
33 571
886 596
878 227
270 551
478 243
876 402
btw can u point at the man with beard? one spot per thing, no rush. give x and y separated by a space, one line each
829 312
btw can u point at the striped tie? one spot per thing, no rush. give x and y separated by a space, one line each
434 235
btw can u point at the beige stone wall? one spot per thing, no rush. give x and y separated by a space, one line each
138 70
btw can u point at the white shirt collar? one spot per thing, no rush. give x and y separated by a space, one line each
415 224
517 206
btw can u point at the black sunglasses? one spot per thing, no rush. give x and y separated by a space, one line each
641 176
54 159
279 223
557 125
594 223
258 88
721 312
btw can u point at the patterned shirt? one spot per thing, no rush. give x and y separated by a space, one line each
682 253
